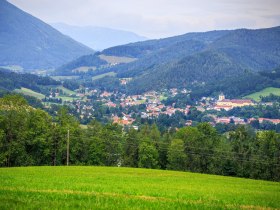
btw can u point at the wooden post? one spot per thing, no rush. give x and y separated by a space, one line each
68 147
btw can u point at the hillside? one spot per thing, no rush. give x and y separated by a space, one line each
126 188
195 58
32 44
10 81
145 54
98 38
228 56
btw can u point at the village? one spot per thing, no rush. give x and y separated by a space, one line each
151 105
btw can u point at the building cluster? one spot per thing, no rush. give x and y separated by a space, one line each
125 120
84 111
228 104
151 106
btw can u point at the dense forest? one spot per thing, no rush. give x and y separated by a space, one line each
10 81
30 136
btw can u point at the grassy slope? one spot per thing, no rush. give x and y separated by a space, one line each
66 91
61 78
264 92
126 188
29 92
112 74
116 59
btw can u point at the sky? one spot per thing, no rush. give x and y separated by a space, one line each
157 18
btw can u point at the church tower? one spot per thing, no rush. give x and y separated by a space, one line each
221 97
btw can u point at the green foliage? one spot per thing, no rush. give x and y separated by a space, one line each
176 155
11 80
130 149
148 155
29 136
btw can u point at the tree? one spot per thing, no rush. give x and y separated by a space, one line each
176 155
242 144
64 122
130 149
148 155
96 146
267 156
112 137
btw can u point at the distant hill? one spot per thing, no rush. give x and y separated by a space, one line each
10 81
195 60
98 38
32 44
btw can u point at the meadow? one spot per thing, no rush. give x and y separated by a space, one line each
264 92
111 74
61 78
126 188
29 92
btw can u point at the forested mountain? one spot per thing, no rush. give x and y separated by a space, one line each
10 81
150 52
30 43
196 58
227 56
98 38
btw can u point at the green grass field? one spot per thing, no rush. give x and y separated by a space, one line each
66 98
126 188
60 78
29 92
112 74
264 92
66 91
116 59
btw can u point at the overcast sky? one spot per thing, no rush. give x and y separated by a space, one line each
157 18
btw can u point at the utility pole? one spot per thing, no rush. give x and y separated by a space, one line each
68 147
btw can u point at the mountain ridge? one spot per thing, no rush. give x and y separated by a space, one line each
98 38
31 43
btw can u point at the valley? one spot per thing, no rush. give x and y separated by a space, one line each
95 116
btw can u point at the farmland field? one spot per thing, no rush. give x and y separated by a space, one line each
66 91
29 92
112 74
127 188
264 92
61 78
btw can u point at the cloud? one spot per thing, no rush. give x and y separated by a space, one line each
157 18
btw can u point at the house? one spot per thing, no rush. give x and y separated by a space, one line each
223 120
188 123
274 121
228 104
126 120
105 94
111 104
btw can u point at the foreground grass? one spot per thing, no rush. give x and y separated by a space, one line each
126 188
264 92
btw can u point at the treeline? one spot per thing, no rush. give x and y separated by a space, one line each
30 136
87 60
10 81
